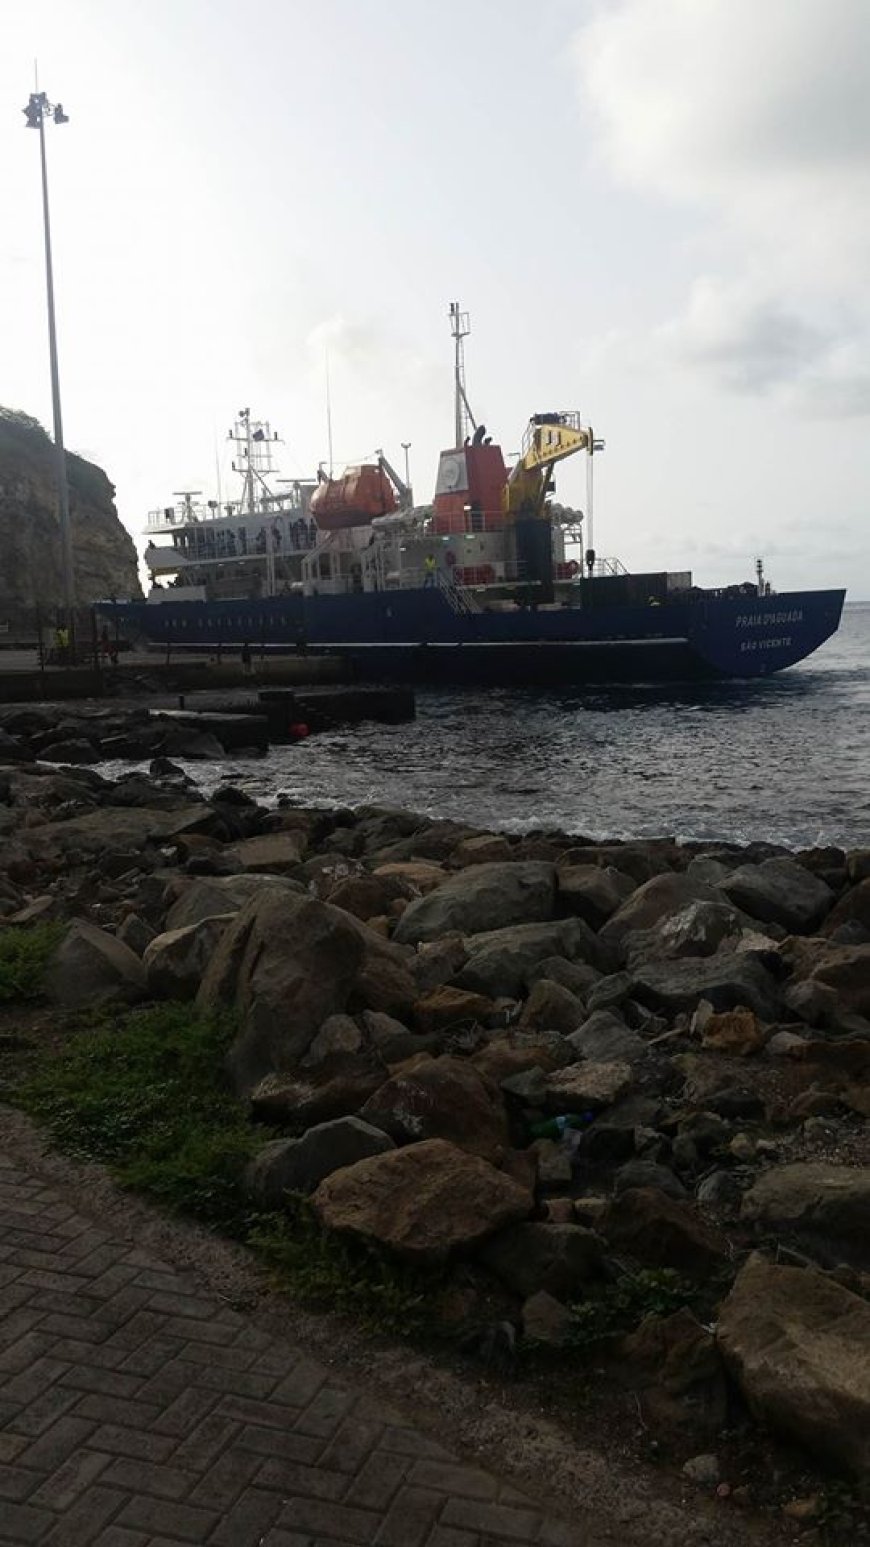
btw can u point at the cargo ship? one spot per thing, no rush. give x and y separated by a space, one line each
494 582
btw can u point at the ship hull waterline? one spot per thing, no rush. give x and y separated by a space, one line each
416 636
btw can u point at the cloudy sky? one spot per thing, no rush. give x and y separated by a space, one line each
657 211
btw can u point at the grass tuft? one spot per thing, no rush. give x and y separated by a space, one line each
24 956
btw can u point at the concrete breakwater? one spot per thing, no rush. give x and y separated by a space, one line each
543 1065
203 725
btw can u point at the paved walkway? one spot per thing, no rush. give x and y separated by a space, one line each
136 1409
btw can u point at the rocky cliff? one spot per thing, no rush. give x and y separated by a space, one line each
30 546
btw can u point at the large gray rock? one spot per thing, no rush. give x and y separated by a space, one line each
224 894
481 897
780 891
284 965
696 930
90 968
654 902
604 1036
176 961
502 960
119 827
798 1345
424 1202
591 893
300 1165
269 854
727 981
829 1205
533 1255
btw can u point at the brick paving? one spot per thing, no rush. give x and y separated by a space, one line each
136 1409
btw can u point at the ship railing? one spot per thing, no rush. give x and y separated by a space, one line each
458 598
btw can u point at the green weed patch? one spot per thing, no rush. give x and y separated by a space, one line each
24 956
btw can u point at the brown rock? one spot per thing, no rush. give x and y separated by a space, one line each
673 1362
485 849
537 1255
446 1007
662 1232
442 1098
551 1008
271 854
516 1052
424 1202
588 1085
854 905
737 1033
546 1320
422 875
827 1204
296 1102
654 901
366 896
176 961
798 1345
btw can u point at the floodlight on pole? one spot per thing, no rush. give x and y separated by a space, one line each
38 109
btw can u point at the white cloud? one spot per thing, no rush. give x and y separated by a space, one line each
757 116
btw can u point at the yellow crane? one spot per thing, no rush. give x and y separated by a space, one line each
547 440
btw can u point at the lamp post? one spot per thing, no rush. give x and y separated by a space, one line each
37 110
406 447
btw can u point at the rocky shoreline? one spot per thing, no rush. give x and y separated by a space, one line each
542 1066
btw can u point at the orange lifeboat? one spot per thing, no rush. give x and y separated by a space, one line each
354 499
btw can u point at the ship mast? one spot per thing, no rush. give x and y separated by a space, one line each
460 327
255 439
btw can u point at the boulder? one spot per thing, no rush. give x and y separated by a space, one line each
446 1007
500 961
546 1320
641 861
605 1036
74 750
517 1051
484 849
90 967
737 1033
854 906
536 1255
385 981
338 1034
442 1098
673 1364
119 827
648 1173
176 960
798 1345
284 964
696 930
586 1086
551 1008
422 875
846 969
270 854
482 897
577 976
663 1233
300 1165
424 1202
217 894
654 902
367 896
727 981
297 1102
827 1205
185 741
780 891
135 933
591 893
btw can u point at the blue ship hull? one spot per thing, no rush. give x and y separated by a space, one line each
416 636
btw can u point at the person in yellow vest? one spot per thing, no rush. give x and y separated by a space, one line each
428 570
